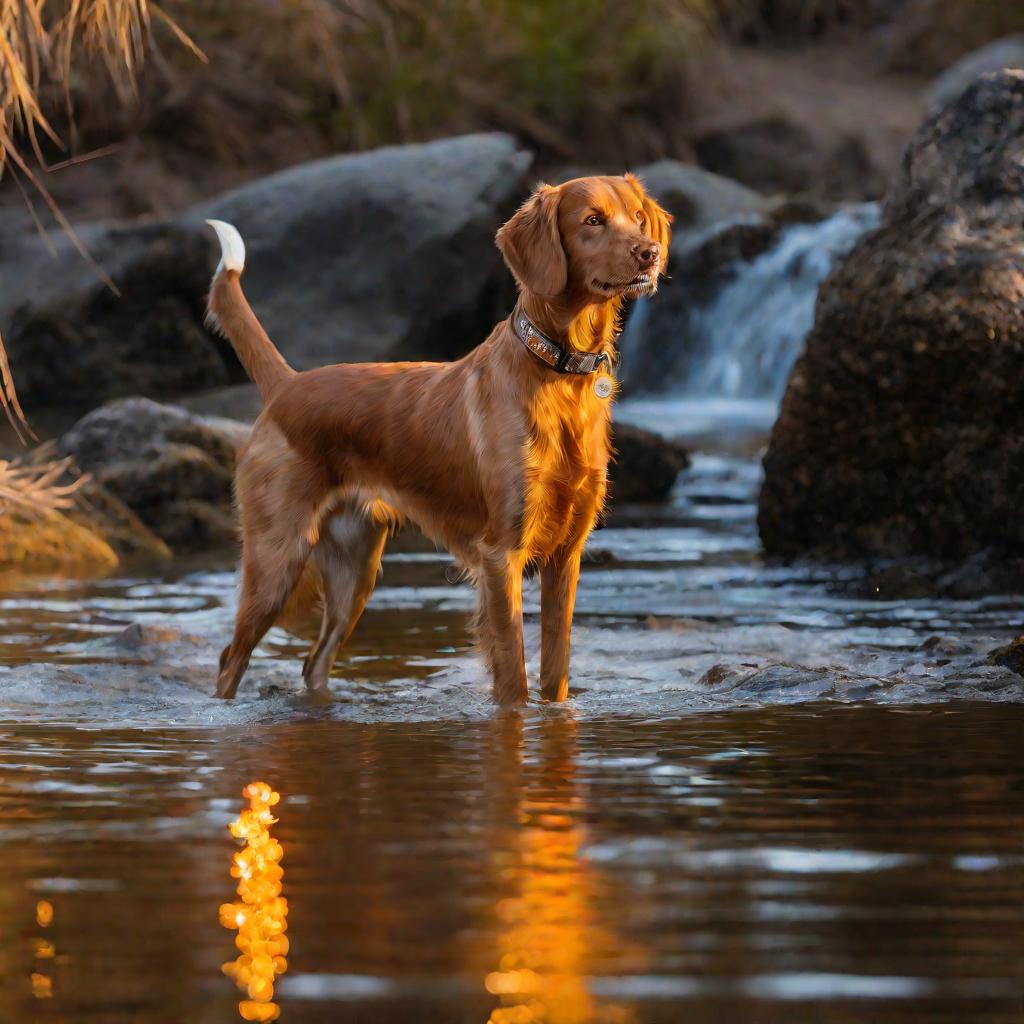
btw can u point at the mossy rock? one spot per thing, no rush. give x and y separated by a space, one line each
51 542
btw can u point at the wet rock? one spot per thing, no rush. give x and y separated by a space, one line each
902 428
1009 656
378 255
171 468
646 465
138 637
944 647
1007 52
722 677
787 684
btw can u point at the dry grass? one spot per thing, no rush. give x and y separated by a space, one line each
40 40
364 73
38 489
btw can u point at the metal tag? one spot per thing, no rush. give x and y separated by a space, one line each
603 386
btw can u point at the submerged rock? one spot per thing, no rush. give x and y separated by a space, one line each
379 255
902 428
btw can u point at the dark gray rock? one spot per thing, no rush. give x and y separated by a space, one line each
381 255
696 197
73 342
902 428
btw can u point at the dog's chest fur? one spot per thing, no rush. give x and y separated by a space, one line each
565 464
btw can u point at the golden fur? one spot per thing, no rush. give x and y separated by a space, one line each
495 456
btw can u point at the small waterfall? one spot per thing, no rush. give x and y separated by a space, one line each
742 342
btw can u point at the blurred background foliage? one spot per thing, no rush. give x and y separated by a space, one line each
582 82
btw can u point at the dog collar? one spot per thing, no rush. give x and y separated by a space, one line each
553 355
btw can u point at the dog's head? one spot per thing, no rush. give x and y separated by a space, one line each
591 239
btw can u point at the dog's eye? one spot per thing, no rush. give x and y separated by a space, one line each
594 219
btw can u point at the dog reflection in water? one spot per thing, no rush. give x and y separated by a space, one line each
260 914
550 934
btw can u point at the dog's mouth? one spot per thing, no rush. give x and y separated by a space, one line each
645 283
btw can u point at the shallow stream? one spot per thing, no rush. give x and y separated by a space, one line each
772 796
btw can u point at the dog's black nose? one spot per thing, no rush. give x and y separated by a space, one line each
646 252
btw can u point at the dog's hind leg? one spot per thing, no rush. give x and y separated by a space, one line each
347 556
271 564
280 506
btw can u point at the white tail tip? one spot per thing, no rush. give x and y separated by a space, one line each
232 248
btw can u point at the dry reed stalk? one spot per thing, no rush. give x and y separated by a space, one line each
37 489
39 41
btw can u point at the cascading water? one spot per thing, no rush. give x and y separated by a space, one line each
751 333
709 359
742 341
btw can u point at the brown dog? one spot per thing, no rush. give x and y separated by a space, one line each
501 457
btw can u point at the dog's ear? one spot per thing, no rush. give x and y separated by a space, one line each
532 244
659 220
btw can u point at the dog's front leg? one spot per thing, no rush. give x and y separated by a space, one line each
501 631
558 580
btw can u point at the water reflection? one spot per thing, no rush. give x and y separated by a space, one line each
42 950
260 913
769 866
548 932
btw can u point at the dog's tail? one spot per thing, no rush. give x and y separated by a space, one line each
229 312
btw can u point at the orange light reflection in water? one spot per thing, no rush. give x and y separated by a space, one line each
549 930
42 949
260 913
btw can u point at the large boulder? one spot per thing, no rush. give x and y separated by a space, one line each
382 255
74 342
902 428
379 255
